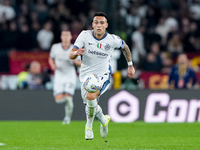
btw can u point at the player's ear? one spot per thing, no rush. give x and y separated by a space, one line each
106 25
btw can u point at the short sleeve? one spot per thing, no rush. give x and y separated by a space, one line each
79 43
39 35
118 42
52 52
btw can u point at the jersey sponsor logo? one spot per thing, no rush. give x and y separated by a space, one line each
91 43
107 47
99 45
97 53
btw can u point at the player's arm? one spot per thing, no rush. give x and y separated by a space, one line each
77 62
52 64
127 54
74 53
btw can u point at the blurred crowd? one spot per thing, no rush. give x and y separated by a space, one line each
157 31
37 24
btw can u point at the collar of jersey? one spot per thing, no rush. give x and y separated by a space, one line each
101 38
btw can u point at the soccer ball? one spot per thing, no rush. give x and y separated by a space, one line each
92 83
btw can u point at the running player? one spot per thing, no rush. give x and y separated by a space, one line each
65 73
96 47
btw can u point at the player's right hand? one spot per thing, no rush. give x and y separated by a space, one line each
53 67
80 51
131 71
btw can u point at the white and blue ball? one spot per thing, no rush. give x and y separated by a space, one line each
92 83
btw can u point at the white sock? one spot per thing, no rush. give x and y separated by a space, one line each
90 111
69 105
100 116
60 101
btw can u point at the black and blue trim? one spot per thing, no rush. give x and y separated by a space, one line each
101 38
106 83
122 45
110 68
76 47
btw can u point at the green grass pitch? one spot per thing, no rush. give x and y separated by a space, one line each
52 135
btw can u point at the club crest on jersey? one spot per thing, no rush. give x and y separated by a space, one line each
107 47
99 45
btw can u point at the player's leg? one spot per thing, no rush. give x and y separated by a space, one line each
90 110
104 119
68 100
69 106
69 89
58 93
89 99
91 107
59 99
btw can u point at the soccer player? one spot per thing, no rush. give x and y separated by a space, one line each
65 73
96 47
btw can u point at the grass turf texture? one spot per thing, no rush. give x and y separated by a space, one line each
43 135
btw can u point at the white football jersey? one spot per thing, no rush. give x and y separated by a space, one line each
64 64
96 58
65 75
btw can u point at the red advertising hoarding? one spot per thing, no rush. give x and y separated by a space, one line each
18 60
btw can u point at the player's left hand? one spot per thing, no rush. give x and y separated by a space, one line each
131 71
80 51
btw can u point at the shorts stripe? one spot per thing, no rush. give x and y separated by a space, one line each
105 84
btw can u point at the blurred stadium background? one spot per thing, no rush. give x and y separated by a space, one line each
157 31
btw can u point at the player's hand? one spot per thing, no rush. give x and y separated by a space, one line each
53 67
131 71
80 51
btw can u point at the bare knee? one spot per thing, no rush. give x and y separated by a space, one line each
67 95
92 96
59 98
